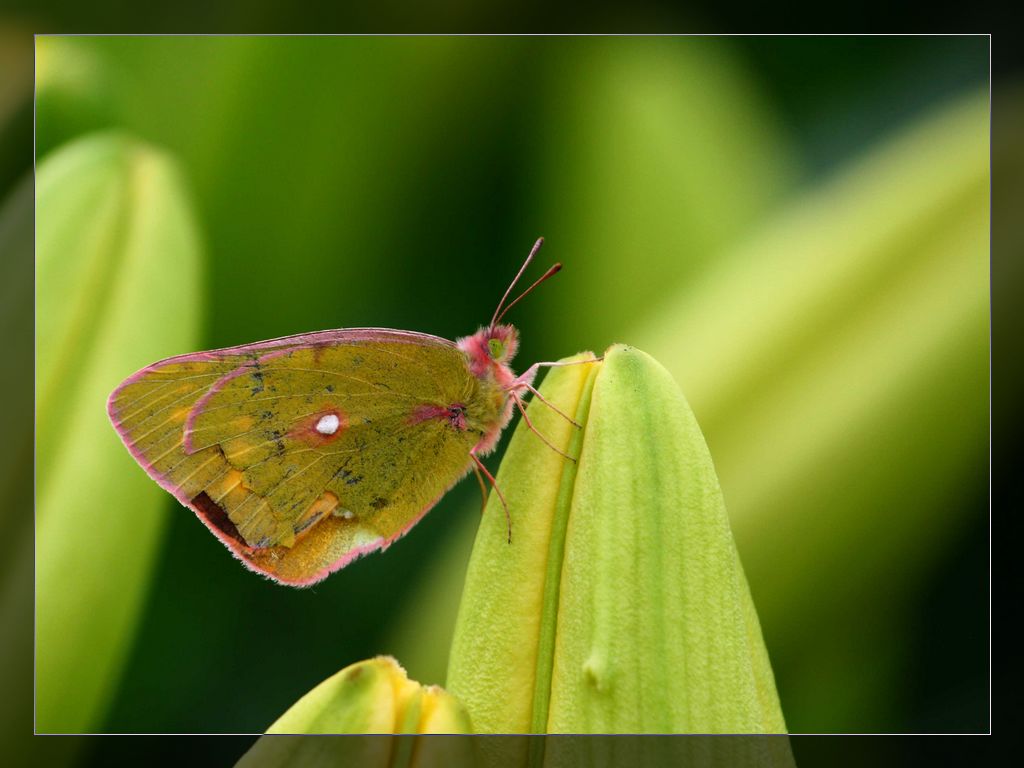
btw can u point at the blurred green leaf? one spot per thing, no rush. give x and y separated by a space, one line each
118 276
75 92
328 170
621 606
655 156
838 363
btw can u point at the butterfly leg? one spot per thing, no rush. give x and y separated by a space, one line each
494 484
483 488
525 381
522 409
539 396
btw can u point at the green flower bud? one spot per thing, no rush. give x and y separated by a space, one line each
374 696
621 605
369 697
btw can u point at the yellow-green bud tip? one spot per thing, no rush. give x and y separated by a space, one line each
374 696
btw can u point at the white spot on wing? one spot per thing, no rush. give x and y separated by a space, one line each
328 424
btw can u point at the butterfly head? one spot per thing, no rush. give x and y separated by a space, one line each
502 343
490 350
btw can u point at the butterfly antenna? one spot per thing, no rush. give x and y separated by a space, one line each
554 270
533 252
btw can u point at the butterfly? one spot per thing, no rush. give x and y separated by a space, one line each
304 452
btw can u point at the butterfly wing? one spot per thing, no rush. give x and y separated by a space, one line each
303 453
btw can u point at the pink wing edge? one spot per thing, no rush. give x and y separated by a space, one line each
344 335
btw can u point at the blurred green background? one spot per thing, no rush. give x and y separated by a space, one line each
796 227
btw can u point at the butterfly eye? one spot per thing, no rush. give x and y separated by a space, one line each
496 348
